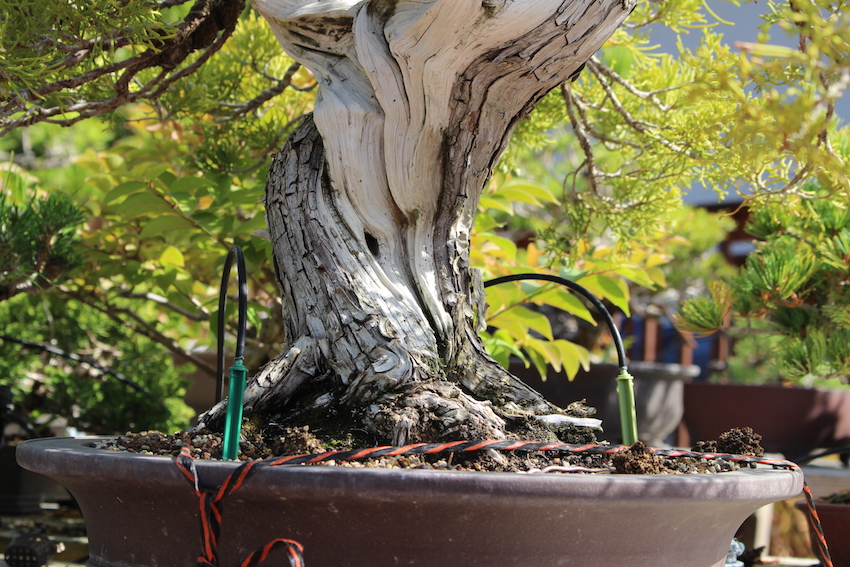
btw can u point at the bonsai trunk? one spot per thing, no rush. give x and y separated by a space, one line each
370 205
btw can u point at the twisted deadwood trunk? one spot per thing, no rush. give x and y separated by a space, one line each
371 201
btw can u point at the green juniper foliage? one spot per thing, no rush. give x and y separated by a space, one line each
66 61
794 286
39 244
132 381
47 385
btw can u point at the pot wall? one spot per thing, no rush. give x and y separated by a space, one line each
140 511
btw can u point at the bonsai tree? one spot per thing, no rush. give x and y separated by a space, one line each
370 203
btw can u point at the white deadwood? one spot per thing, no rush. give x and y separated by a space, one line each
370 204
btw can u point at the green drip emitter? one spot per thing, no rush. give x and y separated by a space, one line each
238 373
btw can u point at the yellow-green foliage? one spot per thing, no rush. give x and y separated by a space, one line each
640 126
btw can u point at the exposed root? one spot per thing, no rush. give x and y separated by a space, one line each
276 383
432 412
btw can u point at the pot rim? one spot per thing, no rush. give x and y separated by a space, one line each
80 461
821 505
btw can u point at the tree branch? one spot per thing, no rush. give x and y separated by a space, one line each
142 327
77 358
202 315
268 94
207 26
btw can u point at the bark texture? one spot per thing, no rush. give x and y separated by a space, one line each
371 201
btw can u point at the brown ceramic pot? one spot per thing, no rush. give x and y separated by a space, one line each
791 421
835 521
140 511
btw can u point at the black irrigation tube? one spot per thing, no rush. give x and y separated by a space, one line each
624 381
844 449
606 315
235 253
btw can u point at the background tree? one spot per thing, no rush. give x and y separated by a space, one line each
791 292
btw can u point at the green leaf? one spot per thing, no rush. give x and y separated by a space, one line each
171 256
657 275
189 184
539 363
141 204
519 196
526 192
150 172
122 190
504 296
500 247
548 351
636 275
603 287
166 178
245 197
566 301
185 201
502 347
495 202
207 220
513 327
100 183
163 223
166 279
535 321
484 223
257 222
573 357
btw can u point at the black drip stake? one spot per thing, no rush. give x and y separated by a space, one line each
31 550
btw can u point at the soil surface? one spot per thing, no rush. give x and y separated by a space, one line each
638 459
